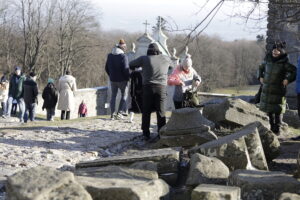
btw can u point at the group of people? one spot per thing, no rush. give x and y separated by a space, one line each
24 91
149 80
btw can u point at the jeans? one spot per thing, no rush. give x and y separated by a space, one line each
4 107
21 104
29 112
154 97
50 113
123 86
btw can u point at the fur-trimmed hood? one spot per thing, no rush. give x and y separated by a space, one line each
117 51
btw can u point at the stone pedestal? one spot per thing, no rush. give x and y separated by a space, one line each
186 128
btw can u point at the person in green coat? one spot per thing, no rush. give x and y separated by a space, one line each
275 73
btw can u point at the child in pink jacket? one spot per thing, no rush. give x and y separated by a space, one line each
183 77
82 111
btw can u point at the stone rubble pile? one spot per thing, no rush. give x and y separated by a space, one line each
231 167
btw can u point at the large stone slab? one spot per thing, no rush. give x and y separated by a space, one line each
262 185
234 113
289 196
44 183
216 192
117 172
167 159
206 170
115 182
241 150
269 140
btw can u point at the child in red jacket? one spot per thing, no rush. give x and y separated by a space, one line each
82 111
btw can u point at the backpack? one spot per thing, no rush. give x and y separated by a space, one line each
191 99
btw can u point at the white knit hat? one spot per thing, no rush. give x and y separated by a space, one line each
187 61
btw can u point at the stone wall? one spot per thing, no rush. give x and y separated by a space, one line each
95 99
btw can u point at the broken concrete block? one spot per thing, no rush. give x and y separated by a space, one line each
261 185
216 192
167 159
269 140
115 182
234 113
44 183
241 150
206 170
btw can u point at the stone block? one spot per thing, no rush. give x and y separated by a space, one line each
241 150
269 140
215 192
167 159
234 113
113 171
206 170
289 196
261 185
123 183
291 118
44 183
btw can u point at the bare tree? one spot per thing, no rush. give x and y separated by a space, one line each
35 19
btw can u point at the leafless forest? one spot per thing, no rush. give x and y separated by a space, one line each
50 36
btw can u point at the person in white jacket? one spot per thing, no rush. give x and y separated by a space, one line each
4 86
66 101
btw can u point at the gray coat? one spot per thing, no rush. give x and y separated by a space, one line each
155 68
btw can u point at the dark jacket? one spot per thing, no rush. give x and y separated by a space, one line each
50 95
117 66
16 90
136 91
274 71
30 91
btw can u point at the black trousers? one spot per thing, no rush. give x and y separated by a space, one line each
65 113
275 122
178 104
154 98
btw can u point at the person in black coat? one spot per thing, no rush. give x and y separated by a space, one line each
30 96
136 93
50 99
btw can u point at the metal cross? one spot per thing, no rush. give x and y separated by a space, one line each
146 26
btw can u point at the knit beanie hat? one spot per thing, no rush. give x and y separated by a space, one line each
187 61
122 43
50 80
279 45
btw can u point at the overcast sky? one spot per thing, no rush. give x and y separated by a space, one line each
129 15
